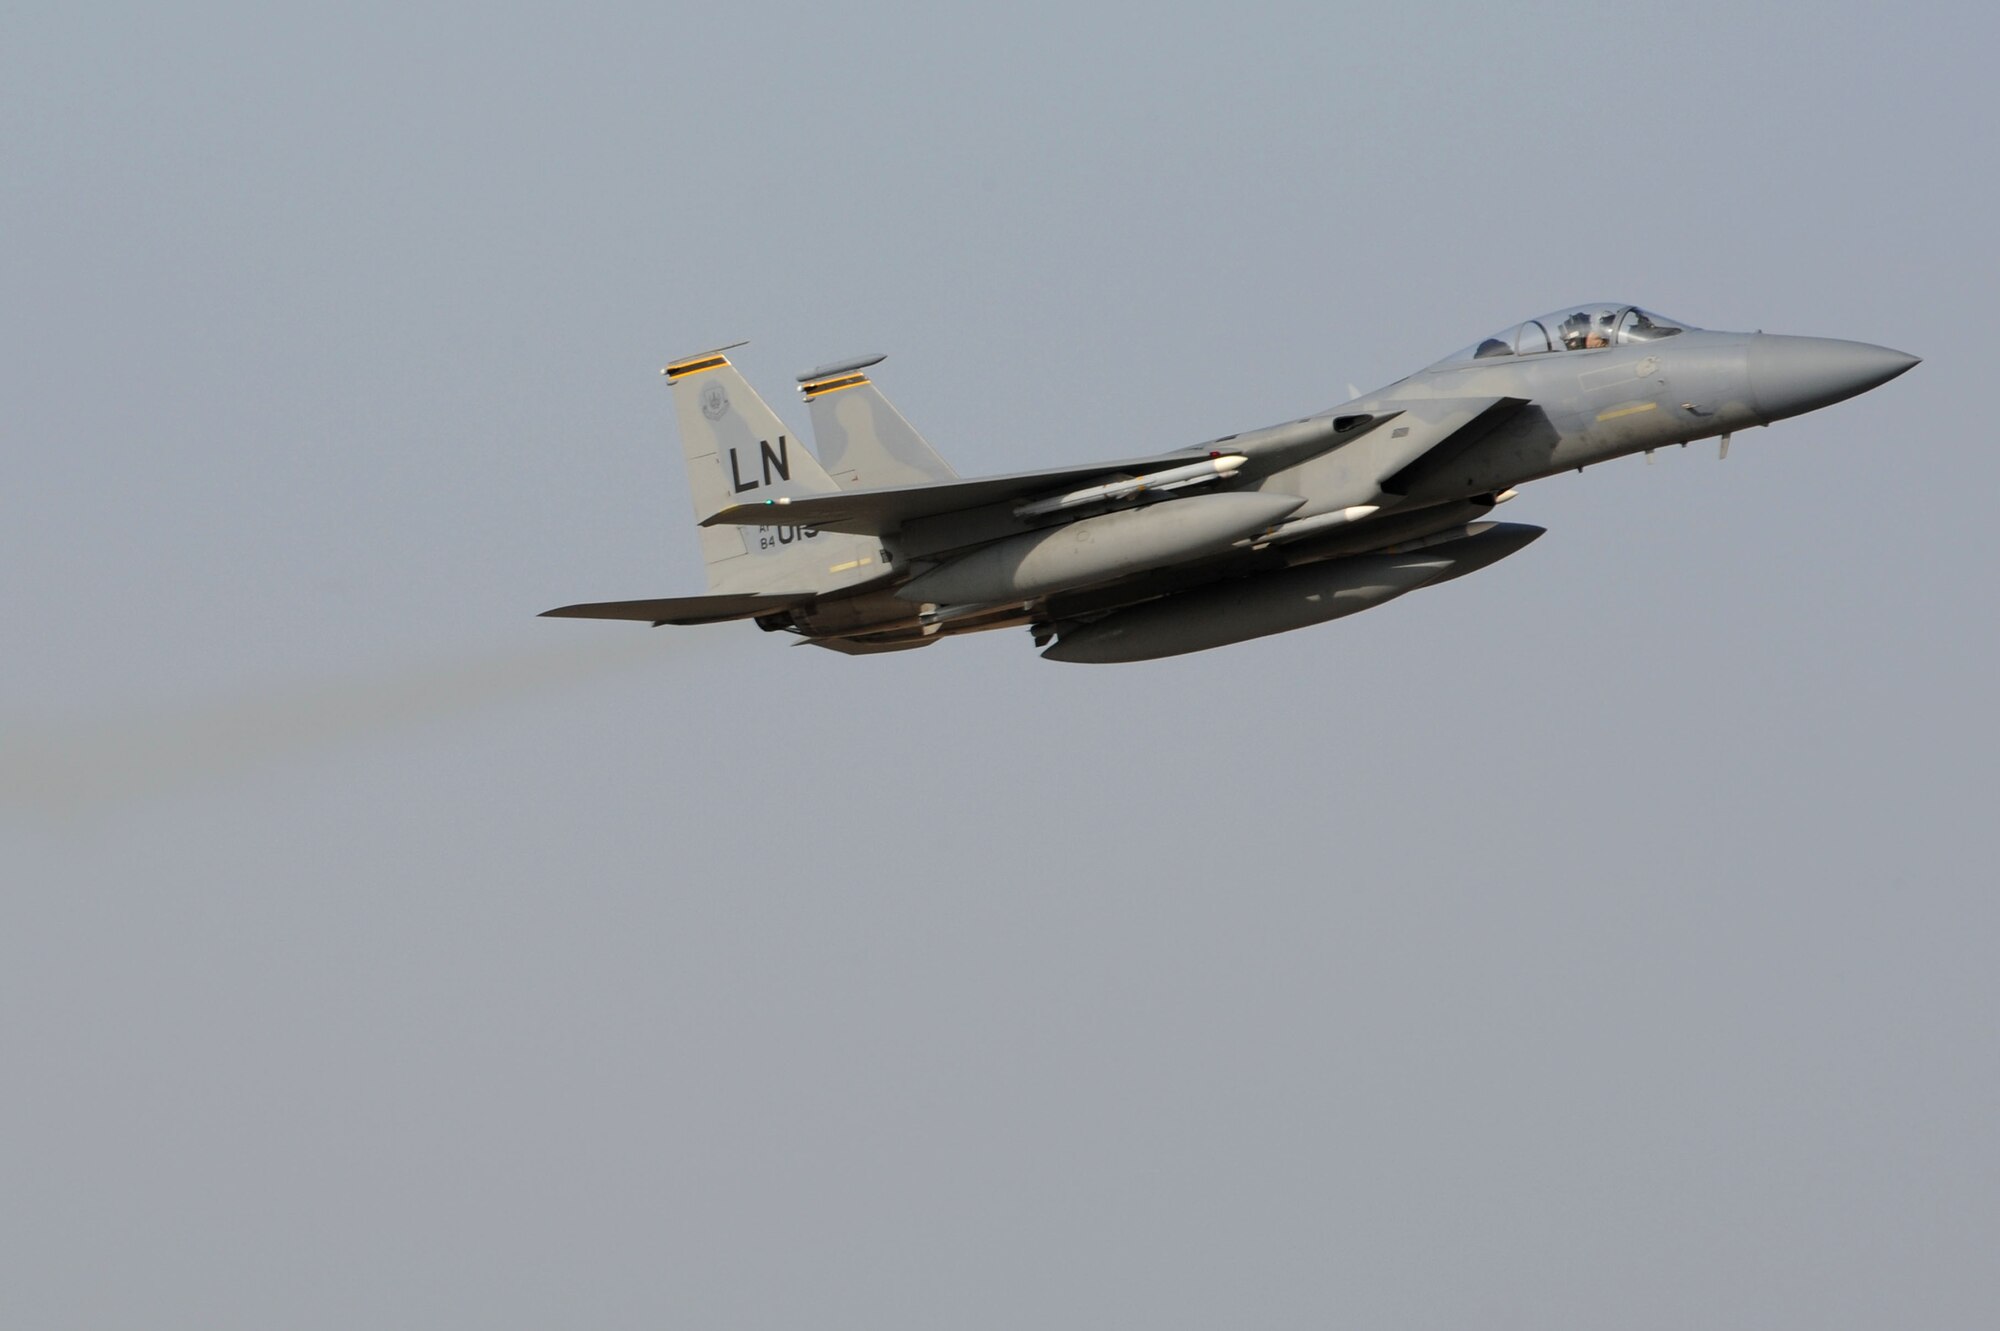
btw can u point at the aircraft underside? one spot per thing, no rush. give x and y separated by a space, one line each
1166 612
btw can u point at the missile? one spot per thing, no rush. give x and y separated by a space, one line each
1254 607
1218 468
1110 545
1314 525
1445 536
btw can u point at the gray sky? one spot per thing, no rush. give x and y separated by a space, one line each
1603 940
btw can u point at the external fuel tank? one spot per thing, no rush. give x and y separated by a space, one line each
1292 598
1110 545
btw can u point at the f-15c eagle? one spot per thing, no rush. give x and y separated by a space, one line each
877 545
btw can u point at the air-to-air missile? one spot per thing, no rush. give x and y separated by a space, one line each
1218 468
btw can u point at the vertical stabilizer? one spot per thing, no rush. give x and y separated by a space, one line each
865 441
739 452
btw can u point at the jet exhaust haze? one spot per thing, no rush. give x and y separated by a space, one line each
118 755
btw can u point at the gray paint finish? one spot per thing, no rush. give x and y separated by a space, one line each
1562 391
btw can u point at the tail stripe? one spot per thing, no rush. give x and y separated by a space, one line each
694 367
702 360
824 386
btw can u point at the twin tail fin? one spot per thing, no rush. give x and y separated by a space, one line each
864 441
738 452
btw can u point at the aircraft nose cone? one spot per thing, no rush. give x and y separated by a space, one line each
1793 375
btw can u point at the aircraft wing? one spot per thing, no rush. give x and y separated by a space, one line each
869 512
686 609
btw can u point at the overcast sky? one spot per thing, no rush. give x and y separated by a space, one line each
1604 940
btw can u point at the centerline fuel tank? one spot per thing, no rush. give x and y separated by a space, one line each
1254 607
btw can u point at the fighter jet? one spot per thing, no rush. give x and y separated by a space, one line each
878 545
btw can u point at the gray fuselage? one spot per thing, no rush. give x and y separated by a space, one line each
1238 537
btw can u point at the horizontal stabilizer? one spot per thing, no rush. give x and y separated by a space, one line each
685 609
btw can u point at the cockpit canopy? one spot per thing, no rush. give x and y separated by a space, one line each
1572 328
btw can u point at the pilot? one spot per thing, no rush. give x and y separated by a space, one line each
1600 335
1576 331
